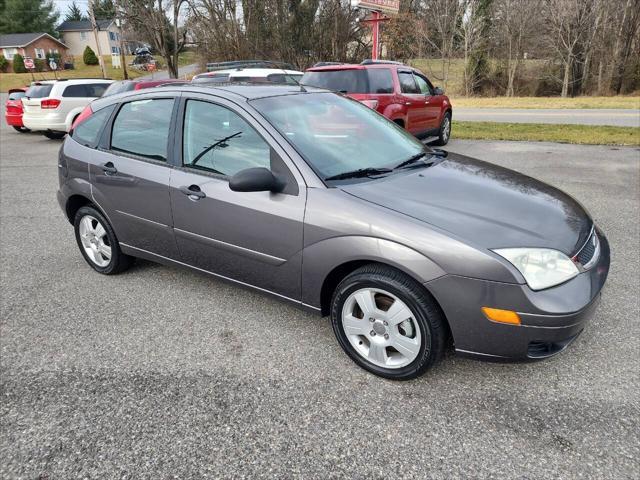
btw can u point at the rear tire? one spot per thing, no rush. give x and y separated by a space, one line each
445 130
21 129
54 135
98 243
402 334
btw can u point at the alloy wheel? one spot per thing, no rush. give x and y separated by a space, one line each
381 328
95 241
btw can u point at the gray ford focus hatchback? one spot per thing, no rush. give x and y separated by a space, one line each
317 199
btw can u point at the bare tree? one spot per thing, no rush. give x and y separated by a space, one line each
625 37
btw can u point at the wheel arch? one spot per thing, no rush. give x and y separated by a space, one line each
75 202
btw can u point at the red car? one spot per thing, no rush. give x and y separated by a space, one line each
13 112
401 93
129 85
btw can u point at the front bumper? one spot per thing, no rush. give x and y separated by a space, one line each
551 319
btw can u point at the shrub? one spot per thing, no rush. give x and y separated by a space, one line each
4 63
18 64
89 57
40 64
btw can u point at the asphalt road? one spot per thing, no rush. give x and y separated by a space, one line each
165 373
615 117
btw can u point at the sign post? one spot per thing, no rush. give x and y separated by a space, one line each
53 66
377 8
30 65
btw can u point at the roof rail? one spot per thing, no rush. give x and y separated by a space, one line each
369 61
326 64
213 66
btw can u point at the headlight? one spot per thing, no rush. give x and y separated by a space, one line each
540 267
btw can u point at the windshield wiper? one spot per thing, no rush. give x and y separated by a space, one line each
413 159
212 146
361 172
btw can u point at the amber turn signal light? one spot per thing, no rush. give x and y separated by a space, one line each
501 316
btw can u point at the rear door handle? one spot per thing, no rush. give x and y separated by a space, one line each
193 191
109 168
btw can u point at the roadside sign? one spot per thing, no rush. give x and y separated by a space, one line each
387 6
53 65
29 64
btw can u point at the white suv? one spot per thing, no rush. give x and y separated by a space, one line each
52 105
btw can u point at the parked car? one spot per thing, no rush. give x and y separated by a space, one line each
13 109
399 92
250 75
403 246
129 85
52 106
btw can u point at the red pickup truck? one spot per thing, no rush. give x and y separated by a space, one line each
401 93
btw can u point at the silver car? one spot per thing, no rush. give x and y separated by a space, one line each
316 199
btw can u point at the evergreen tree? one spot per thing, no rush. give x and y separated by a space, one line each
18 64
26 16
89 57
104 9
74 13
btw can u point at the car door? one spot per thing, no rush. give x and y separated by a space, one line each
251 237
432 102
414 101
130 173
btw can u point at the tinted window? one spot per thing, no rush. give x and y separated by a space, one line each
218 140
407 83
422 85
142 128
349 81
284 78
88 132
96 89
39 91
380 80
75 91
16 95
119 87
336 134
219 78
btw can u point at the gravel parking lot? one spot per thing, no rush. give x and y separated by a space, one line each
166 373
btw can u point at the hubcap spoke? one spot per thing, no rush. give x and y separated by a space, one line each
378 353
93 241
398 313
366 302
105 250
99 231
355 326
409 347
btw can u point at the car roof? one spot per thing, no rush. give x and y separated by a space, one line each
256 72
358 66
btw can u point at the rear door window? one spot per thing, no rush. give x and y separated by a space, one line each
141 128
407 83
96 89
88 132
39 91
75 91
380 80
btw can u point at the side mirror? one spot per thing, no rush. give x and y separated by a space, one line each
438 91
257 179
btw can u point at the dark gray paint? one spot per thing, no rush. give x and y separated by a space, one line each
437 224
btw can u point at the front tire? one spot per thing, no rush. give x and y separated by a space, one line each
387 323
98 243
445 130
54 135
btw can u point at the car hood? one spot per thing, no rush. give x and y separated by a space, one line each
487 205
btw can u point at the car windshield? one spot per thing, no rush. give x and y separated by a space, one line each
336 135
370 81
39 91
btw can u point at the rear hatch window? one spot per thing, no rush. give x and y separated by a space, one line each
39 91
16 95
368 81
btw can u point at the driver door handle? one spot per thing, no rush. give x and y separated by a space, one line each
193 191
109 168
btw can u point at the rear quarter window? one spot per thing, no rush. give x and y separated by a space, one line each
380 80
88 132
39 91
348 81
75 91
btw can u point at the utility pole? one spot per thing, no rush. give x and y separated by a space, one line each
94 27
123 62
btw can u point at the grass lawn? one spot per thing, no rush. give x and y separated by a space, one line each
538 132
14 80
547 102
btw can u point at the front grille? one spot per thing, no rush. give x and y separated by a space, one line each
589 253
